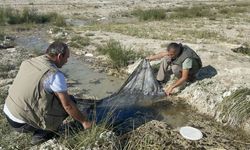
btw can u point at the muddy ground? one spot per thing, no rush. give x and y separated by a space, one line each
224 71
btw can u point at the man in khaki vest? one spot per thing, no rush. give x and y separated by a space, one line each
184 62
38 101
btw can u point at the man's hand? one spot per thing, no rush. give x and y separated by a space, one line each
72 110
86 124
157 56
184 77
169 90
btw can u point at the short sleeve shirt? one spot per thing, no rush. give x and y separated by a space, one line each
187 64
55 83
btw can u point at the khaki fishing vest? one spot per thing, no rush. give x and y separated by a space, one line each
27 99
187 53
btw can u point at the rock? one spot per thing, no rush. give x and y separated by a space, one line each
52 144
95 81
12 73
11 50
242 49
100 70
102 58
107 135
5 82
102 18
226 94
50 31
110 72
89 55
80 52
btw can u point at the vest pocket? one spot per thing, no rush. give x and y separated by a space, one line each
52 122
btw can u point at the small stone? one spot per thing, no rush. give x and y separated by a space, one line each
89 55
5 82
226 94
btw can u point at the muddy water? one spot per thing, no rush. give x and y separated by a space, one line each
174 114
95 84
35 42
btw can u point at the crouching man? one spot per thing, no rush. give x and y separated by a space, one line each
184 63
38 101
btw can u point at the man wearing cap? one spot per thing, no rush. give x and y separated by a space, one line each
38 100
184 62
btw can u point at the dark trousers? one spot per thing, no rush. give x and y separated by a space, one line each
24 127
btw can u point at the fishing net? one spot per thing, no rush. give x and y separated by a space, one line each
131 101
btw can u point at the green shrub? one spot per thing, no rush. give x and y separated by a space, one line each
87 139
98 136
2 35
235 109
57 20
192 12
13 16
150 14
3 95
79 41
2 18
89 34
209 11
4 69
242 49
119 55
7 67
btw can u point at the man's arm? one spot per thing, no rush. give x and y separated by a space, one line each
184 77
157 56
72 110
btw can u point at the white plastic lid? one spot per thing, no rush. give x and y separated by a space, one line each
190 133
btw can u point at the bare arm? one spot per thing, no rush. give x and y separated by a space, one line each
72 110
179 82
157 56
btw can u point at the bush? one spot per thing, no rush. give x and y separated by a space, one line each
4 69
3 95
57 20
79 42
242 49
209 11
13 16
234 109
119 55
2 35
96 137
192 12
150 14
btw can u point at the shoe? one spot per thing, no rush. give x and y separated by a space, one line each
41 136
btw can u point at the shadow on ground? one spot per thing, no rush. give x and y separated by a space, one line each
206 72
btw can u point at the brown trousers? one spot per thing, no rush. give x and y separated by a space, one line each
164 71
